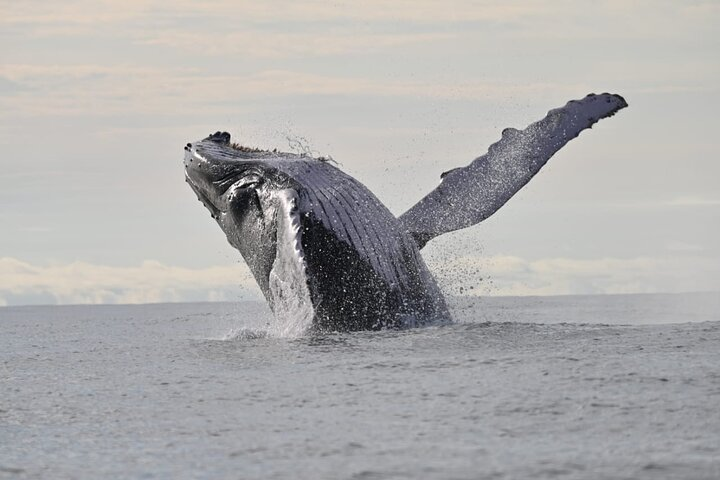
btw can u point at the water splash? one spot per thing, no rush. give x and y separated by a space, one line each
300 145
244 334
288 282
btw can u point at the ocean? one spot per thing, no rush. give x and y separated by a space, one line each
581 387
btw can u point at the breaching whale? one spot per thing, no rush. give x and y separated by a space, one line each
328 254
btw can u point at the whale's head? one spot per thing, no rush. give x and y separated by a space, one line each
245 194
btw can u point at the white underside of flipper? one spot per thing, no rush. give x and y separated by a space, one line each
290 295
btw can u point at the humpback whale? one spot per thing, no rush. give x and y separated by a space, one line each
328 254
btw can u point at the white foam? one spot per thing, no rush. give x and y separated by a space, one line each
291 302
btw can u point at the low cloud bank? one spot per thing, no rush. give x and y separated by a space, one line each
509 275
150 282
79 282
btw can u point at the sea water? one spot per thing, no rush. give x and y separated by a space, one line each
547 387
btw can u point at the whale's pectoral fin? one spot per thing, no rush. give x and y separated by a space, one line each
468 195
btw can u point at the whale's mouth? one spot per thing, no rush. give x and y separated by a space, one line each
202 197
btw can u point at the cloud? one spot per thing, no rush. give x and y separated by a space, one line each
82 89
693 201
8 87
561 20
262 44
510 275
151 281
256 35
680 201
61 17
276 29
682 247
416 11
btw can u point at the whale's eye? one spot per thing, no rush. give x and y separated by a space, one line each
235 180
249 181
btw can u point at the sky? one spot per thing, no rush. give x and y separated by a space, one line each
97 99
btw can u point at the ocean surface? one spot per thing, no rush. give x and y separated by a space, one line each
596 387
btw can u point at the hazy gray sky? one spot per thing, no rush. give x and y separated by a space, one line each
98 98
